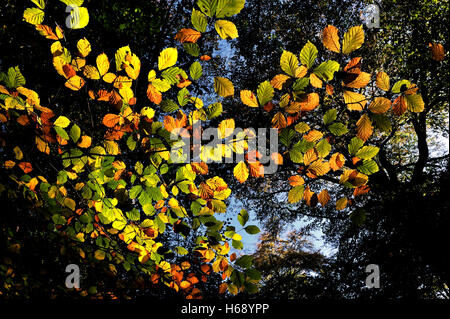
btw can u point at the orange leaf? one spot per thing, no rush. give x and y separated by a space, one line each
296 180
399 106
331 39
26 167
110 120
187 35
205 58
324 197
437 51
279 121
364 127
153 94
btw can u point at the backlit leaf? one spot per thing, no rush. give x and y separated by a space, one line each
353 39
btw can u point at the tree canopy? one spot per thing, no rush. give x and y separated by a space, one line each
129 131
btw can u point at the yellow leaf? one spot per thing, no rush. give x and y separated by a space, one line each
62 121
42 146
167 58
364 127
33 15
223 86
315 81
79 18
226 29
99 255
382 81
341 203
102 64
353 39
313 136
240 171
318 168
75 83
248 98
279 121
361 81
354 101
112 147
226 128
91 72
331 39
414 102
84 47
18 153
85 141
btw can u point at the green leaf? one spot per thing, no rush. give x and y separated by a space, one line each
169 106
367 152
243 217
14 78
289 63
214 110
338 129
181 251
228 8
330 116
398 85
326 70
208 7
133 215
196 70
199 20
300 84
253 274
244 261
75 133
251 288
368 167
183 97
355 144
252 229
62 133
382 122
265 92
192 49
237 244
323 148
135 191
308 54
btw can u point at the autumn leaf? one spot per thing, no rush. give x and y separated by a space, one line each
226 29
110 120
323 197
331 39
380 105
341 203
278 81
223 87
167 58
353 39
248 98
187 35
364 127
437 51
382 81
240 171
